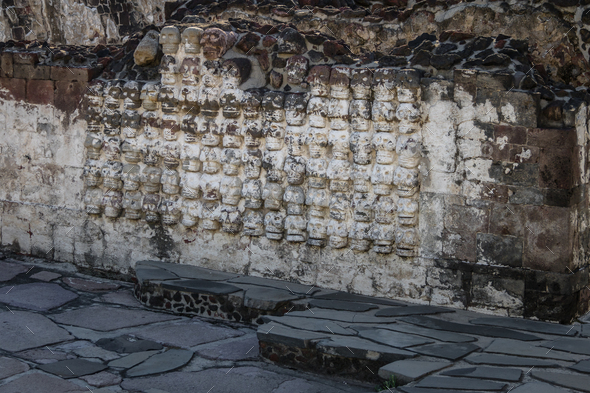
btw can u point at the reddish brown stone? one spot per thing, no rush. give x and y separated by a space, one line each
500 44
40 92
262 57
69 94
542 137
497 152
268 41
334 48
548 240
276 79
494 192
524 154
462 223
507 219
248 42
59 73
25 58
27 71
556 168
13 89
6 65
455 36
509 134
267 29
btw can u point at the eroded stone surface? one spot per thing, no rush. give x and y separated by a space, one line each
10 367
36 296
575 345
527 325
186 334
583 366
132 359
82 284
446 351
200 286
244 348
506 360
102 379
128 344
502 374
571 381
393 339
109 318
10 270
46 276
361 349
73 368
24 330
162 362
40 383
341 305
406 371
459 383
538 387
410 310
518 348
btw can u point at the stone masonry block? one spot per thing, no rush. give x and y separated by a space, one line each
556 168
543 137
508 134
68 95
494 80
506 219
499 250
13 89
462 223
59 73
548 239
40 92
6 65
557 283
519 108
515 174
28 71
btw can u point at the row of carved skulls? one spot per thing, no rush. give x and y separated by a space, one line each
316 230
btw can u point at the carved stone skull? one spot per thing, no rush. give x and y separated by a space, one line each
297 67
295 227
360 115
191 185
295 109
339 81
361 84
210 186
112 122
317 231
170 126
272 195
295 139
383 114
170 209
406 180
170 182
340 142
231 159
169 71
132 95
150 121
318 200
408 150
231 134
170 39
273 162
231 219
92 173
319 80
252 160
93 144
190 70
149 206
252 194
113 92
93 201
362 205
191 210
274 223
272 105
131 122
384 143
407 241
190 157
253 221
231 190
113 203
168 96
317 111
171 154
384 209
132 204
210 216
191 37
111 173
252 132
295 169
382 179
149 96
384 84
338 233
383 236
131 177
407 211
339 172
150 178
316 170
210 157
251 103
360 145
361 177
339 206
150 149
338 114
360 236
216 42
294 197
408 112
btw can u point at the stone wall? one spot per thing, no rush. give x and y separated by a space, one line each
451 171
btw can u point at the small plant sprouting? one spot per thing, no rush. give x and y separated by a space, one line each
386 385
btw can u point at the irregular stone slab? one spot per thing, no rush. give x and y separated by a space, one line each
430 333
341 305
10 367
93 351
22 330
501 374
342 316
37 382
239 379
188 271
36 296
299 385
102 379
293 287
43 355
571 381
315 325
446 351
410 310
187 334
583 366
354 347
538 387
200 286
427 390
82 284
105 319
506 360
10 270
269 299
439 324
150 273
438 382
72 368
574 345
279 334
585 330
131 360
128 344
519 348
244 348
527 325
351 297
162 362
393 339
406 371
46 276
124 298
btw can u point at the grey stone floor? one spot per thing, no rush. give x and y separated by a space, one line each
64 332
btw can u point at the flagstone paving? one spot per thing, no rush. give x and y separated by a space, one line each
188 329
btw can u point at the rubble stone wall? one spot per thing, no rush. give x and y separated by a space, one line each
451 171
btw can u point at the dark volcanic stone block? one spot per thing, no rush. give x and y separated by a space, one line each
499 250
446 351
200 286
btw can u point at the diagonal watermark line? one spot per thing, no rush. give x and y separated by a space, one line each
269 330
549 350
312 287
253 346
529 370
289 310
349 350
29 329
210 389
50 350
329 329
9 290
232 367
309 310
70 369
293 293
370 370
89 389
29 270
9 310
